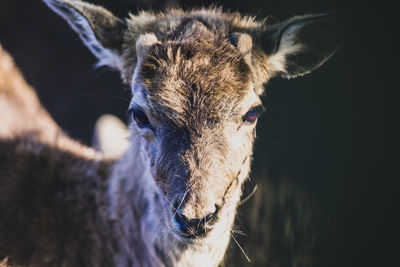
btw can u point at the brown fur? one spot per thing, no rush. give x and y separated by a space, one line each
21 111
179 76
51 187
195 75
50 204
186 27
20 108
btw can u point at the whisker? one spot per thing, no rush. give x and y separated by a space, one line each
249 196
237 243
169 203
265 131
236 230
181 202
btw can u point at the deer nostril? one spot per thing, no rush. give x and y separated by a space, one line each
181 220
210 217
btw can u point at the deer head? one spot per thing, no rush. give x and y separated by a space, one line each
196 79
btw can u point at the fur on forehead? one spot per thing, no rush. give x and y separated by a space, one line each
199 77
178 25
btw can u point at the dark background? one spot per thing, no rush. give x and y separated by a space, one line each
324 158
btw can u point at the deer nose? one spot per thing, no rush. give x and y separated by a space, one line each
194 227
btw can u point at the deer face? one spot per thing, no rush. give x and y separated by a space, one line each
195 107
196 82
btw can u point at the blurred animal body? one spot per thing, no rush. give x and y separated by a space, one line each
196 79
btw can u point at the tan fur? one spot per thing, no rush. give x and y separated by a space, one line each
171 200
21 111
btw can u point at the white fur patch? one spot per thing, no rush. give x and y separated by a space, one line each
287 46
144 42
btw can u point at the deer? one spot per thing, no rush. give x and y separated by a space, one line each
196 79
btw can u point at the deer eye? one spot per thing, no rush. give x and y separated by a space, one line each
251 115
140 118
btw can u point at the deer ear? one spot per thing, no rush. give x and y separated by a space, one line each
300 45
98 28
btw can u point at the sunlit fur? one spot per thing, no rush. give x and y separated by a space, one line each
195 75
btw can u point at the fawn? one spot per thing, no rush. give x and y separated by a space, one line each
196 79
